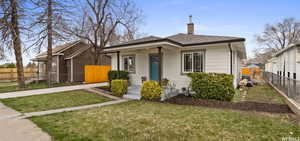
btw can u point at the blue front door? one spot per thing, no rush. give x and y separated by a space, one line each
154 66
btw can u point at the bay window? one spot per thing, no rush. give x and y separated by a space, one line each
193 62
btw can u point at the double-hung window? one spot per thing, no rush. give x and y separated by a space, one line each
193 61
129 63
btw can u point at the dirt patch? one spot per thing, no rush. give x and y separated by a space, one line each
245 105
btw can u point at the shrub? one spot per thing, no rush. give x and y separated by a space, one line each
119 87
212 86
151 90
113 74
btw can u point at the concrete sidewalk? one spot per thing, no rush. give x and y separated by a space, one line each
15 127
49 90
42 113
12 129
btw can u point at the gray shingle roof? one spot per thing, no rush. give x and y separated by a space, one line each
194 39
77 52
145 39
57 49
182 39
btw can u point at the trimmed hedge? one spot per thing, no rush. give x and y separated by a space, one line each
212 86
151 90
119 87
113 74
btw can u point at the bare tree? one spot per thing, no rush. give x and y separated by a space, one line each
261 56
99 20
48 15
10 33
2 54
280 35
276 37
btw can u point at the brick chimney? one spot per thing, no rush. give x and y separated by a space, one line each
190 26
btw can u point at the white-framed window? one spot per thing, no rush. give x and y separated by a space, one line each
298 54
193 61
129 63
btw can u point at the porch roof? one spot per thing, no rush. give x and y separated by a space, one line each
180 40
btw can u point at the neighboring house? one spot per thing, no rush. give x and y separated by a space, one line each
252 70
172 57
271 66
68 62
286 62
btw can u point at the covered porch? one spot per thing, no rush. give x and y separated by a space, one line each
146 62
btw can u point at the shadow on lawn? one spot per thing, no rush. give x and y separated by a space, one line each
244 106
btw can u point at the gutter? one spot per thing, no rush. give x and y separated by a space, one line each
176 43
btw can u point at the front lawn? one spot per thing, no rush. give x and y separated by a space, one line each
40 85
142 120
54 101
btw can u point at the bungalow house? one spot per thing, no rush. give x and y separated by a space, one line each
286 62
68 62
172 57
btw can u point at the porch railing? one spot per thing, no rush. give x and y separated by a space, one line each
289 86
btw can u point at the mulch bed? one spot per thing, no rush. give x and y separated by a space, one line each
245 106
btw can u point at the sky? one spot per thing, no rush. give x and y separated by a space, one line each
240 18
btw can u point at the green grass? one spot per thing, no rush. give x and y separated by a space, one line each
12 88
152 121
264 93
5 84
54 101
237 96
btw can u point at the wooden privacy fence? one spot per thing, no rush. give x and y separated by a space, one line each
96 73
11 73
253 72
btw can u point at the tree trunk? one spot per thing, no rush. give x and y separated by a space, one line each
49 35
96 56
17 44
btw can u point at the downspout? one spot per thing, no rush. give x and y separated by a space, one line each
231 61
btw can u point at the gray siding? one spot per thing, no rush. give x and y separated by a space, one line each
86 58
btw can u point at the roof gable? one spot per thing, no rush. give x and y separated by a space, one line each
59 49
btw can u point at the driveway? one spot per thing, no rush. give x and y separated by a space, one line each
49 90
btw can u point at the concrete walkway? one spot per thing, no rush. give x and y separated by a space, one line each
15 127
42 113
12 129
49 90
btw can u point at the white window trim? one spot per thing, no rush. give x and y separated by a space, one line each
123 66
192 53
298 54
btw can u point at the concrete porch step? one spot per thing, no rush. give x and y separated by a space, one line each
131 96
133 92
